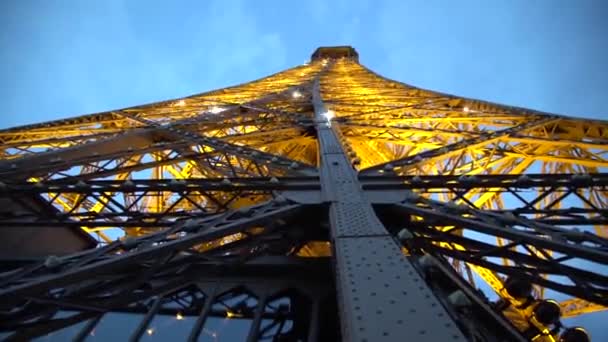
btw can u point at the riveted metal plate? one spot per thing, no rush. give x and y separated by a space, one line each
386 197
354 219
332 145
384 298
339 180
304 197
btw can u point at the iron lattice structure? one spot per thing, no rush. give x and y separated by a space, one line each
324 202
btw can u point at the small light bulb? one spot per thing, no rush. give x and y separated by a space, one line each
296 94
150 331
179 316
466 109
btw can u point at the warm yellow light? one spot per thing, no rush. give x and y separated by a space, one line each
181 103
216 109
150 331
296 94
230 314
465 109
179 316
328 115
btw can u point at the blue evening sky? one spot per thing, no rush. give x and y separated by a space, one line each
66 58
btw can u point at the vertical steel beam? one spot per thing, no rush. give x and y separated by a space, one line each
84 332
315 312
202 318
254 330
145 321
381 297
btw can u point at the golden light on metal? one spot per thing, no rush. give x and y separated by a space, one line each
232 314
380 121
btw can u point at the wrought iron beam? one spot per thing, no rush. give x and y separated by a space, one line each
378 300
58 272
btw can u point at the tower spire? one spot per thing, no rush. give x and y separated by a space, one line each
334 52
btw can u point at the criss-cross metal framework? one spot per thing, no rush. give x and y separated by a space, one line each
324 202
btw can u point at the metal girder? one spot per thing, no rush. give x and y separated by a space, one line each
575 306
192 293
378 300
182 237
138 143
515 181
180 130
385 182
520 232
219 195
481 139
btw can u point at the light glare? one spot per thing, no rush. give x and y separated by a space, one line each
216 109
328 115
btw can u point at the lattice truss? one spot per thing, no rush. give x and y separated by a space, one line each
231 175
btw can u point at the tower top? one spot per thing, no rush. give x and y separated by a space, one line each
335 52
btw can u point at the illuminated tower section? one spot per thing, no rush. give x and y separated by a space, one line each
321 203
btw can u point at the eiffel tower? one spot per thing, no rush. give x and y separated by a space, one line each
321 203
